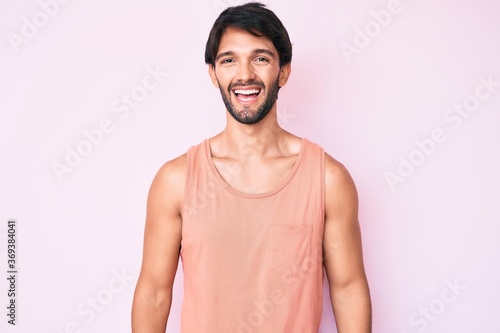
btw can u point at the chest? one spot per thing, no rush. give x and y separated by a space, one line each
255 176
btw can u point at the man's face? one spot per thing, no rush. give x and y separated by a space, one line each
248 74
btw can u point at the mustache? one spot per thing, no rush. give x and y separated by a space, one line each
246 84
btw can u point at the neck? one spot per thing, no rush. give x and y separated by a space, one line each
242 141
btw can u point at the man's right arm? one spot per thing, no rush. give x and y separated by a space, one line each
162 241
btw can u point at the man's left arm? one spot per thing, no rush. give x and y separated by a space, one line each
342 250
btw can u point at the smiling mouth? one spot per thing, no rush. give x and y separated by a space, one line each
247 95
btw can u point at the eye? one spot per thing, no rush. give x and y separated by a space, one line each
261 59
227 61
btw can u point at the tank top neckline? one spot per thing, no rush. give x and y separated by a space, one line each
242 194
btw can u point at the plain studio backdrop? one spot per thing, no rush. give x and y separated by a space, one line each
96 96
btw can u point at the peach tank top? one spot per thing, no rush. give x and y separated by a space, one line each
253 262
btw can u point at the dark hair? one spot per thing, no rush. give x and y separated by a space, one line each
257 20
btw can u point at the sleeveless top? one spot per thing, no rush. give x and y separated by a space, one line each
253 262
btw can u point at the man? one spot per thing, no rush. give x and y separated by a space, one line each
255 212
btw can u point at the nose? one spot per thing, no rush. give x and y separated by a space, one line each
245 71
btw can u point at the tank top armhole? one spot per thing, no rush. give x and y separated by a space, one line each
323 180
187 183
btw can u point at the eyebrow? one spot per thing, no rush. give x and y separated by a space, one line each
255 51
265 51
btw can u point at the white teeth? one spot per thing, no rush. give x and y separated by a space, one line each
247 92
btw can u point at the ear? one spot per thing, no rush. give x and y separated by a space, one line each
285 72
213 77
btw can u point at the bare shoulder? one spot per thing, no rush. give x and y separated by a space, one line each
336 173
340 187
174 168
169 182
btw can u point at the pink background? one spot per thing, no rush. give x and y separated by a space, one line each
431 239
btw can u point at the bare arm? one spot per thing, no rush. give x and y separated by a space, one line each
343 257
162 241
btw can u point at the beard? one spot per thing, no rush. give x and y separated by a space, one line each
245 115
